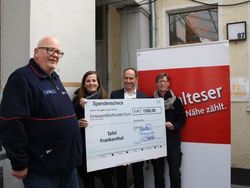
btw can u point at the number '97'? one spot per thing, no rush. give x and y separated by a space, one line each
241 35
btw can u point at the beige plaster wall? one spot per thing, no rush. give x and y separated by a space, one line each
114 49
239 67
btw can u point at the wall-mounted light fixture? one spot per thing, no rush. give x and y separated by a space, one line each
236 31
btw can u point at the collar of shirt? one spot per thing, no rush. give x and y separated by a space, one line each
39 72
129 95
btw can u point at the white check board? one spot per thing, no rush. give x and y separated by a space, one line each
123 131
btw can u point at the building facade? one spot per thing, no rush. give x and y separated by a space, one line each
121 28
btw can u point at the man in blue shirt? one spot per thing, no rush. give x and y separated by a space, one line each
38 125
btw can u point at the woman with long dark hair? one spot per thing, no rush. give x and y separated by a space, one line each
91 88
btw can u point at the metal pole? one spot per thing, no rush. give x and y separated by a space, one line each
153 24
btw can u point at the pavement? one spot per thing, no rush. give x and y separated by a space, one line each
239 186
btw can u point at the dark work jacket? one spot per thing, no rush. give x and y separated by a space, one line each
38 125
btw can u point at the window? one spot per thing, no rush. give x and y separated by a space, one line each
193 27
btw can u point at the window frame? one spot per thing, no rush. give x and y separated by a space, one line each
188 10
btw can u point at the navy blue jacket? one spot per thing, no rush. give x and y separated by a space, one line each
38 125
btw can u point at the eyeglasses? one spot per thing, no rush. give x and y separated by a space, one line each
51 51
162 81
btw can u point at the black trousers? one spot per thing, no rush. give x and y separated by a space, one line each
174 159
88 178
121 175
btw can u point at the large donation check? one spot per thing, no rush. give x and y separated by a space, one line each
123 131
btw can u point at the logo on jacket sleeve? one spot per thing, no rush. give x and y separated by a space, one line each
49 92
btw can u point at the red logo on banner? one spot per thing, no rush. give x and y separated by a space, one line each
205 93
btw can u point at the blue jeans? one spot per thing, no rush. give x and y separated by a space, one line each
67 179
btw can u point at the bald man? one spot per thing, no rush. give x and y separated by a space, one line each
38 126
